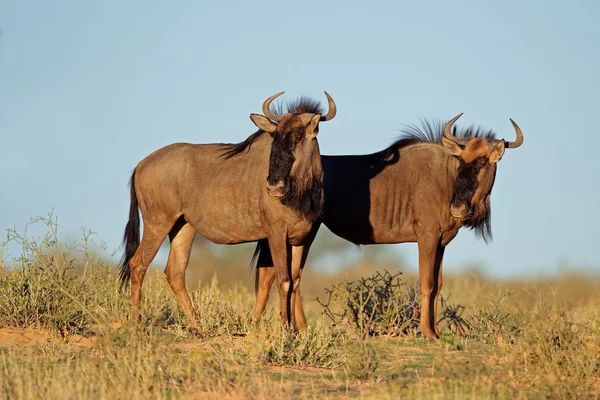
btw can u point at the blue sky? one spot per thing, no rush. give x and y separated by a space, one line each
87 89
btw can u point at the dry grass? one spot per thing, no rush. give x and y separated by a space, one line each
64 334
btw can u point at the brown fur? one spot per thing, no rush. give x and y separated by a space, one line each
404 194
474 149
223 193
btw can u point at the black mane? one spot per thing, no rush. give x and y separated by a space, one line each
431 132
233 149
299 106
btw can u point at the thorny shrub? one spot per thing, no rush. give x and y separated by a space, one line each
382 304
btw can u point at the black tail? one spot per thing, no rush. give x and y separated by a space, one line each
261 258
131 237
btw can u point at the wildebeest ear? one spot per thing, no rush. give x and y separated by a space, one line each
263 123
312 129
497 152
454 148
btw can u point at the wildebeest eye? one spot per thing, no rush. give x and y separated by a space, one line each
482 162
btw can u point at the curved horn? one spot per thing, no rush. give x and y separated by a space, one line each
267 112
447 132
332 109
519 141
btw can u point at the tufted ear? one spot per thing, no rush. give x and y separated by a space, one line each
497 152
453 148
263 123
312 129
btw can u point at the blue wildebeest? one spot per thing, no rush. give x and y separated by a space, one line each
269 186
423 188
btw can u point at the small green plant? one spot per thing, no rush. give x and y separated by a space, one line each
317 346
362 360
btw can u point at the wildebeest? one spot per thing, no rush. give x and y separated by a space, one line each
269 186
423 188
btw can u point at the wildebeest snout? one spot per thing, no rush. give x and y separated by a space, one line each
278 189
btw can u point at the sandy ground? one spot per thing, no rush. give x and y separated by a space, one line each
23 337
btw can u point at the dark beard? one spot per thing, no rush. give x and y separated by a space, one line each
306 201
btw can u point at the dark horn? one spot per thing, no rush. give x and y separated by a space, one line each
447 132
267 112
332 109
519 141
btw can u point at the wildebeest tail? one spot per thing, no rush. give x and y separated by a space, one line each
261 258
131 237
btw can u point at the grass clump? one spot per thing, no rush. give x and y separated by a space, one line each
271 344
567 353
494 322
53 285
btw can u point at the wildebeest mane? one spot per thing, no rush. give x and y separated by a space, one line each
431 131
233 149
301 105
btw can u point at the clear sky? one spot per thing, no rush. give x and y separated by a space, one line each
88 89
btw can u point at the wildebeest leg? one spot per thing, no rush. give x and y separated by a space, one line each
439 280
182 238
429 261
299 311
281 253
265 277
298 258
145 253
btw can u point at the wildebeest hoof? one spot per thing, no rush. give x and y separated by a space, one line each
430 334
196 332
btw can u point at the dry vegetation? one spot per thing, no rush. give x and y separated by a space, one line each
64 334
